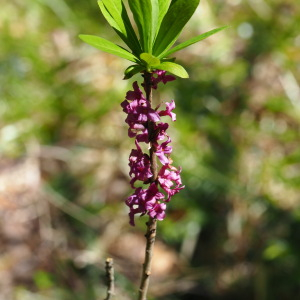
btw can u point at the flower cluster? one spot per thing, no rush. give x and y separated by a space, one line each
150 201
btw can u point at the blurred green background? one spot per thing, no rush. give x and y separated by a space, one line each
233 233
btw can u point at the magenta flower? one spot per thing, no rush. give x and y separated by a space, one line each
160 130
139 164
158 211
143 136
136 204
162 150
146 113
168 111
139 113
154 193
134 129
144 201
136 94
155 208
161 77
169 177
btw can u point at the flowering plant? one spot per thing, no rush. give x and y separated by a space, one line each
159 23
140 116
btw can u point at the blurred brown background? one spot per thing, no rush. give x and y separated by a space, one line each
233 233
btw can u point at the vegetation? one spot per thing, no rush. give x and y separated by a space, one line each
232 233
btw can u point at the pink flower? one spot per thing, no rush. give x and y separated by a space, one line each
170 180
160 130
139 112
146 113
136 94
168 111
135 128
143 136
161 77
144 201
139 164
158 211
162 150
136 204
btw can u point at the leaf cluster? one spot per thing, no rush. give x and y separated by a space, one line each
158 23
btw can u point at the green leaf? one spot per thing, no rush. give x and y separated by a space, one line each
193 41
163 8
149 59
172 59
145 13
173 68
116 15
43 280
107 46
278 248
132 70
114 9
177 16
154 21
109 18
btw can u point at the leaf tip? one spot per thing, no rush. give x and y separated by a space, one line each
81 36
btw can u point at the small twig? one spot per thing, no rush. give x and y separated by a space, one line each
109 268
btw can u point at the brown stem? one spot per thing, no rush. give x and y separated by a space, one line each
150 236
151 131
152 223
109 268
